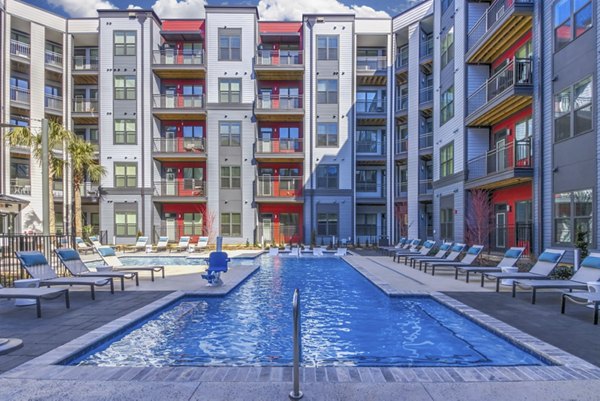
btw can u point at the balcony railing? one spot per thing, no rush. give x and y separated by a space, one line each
53 102
20 95
54 59
276 233
90 189
278 187
20 186
371 63
279 102
516 73
426 140
176 57
182 187
426 95
426 186
370 189
85 105
20 49
279 146
283 58
179 145
494 13
402 146
426 48
176 102
82 63
370 147
401 103
375 106
402 58
401 189
508 157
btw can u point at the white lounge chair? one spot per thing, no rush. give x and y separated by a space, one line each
140 244
445 248
162 244
341 252
184 243
201 245
82 246
95 242
455 252
424 251
470 258
110 258
273 251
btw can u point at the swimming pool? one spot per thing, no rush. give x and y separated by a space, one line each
346 321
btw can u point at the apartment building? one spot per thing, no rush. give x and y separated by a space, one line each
329 128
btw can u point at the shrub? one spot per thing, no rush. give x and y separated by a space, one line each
562 273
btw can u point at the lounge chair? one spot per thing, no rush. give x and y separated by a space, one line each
140 244
201 245
162 244
588 271
510 259
35 293
95 242
455 252
445 248
546 262
317 251
409 250
73 263
341 252
273 251
424 251
37 266
184 244
82 246
217 264
468 260
387 249
110 258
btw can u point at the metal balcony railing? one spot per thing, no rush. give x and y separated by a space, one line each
495 12
283 58
82 63
516 73
426 48
179 145
371 63
177 102
401 103
85 105
375 106
279 145
426 186
20 95
401 189
278 187
370 189
426 95
90 189
279 102
20 49
53 58
184 187
401 146
426 140
20 186
402 58
53 102
177 57
370 147
508 157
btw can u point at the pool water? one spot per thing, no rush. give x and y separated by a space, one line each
165 261
346 321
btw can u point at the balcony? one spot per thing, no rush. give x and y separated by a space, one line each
53 104
507 91
53 60
401 190
85 70
371 70
278 189
371 152
21 50
426 100
370 192
90 192
179 107
426 143
20 186
179 149
174 64
19 97
279 108
180 190
425 188
85 110
279 64
500 167
401 149
371 111
275 150
503 23
401 106
401 63
426 51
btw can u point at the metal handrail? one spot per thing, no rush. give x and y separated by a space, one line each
176 101
279 57
178 57
85 63
20 48
278 102
371 63
53 58
296 394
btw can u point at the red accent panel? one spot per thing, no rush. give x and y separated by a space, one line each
510 196
183 25
276 26
510 53
276 210
510 122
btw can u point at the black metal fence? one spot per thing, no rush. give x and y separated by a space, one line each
10 268
518 235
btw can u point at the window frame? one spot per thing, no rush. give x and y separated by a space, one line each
570 22
129 92
328 135
328 177
331 224
126 134
573 108
128 233
446 163
230 137
229 93
447 47
572 218
447 105
126 177
329 95
229 233
226 33
129 48
230 177
331 53
447 223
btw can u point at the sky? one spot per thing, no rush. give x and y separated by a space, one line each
268 9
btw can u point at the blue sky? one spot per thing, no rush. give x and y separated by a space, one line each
269 9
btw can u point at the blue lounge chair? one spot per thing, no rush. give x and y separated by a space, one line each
217 264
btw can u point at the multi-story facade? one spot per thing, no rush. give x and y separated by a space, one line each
328 128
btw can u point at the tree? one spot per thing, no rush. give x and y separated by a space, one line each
57 136
479 217
210 225
83 163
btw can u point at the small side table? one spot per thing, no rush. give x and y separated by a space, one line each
26 283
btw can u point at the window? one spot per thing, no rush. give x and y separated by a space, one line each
447 160
230 177
126 224
327 134
446 4
447 223
327 176
366 224
327 47
447 105
19 168
125 132
230 44
573 212
327 91
231 224
573 110
125 87
366 180
125 175
571 19
230 133
192 224
447 47
230 90
124 43
327 224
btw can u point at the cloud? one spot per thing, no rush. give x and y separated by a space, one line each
82 8
293 9
179 9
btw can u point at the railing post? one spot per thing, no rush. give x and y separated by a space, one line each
296 394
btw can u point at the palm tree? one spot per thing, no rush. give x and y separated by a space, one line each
83 163
57 136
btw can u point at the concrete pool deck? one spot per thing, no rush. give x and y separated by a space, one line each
39 380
